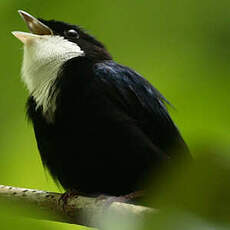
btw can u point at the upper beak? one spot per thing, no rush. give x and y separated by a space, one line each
35 26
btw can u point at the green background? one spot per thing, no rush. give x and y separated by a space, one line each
180 46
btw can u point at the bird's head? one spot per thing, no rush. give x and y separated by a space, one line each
47 47
50 44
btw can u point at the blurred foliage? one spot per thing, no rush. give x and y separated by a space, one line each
181 46
196 197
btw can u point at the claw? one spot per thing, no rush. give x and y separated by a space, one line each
123 199
63 200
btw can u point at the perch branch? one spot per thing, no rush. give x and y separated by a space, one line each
80 210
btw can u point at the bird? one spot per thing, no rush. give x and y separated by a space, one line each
100 127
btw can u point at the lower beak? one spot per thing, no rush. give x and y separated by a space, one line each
24 37
36 28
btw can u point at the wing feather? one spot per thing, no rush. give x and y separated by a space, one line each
143 103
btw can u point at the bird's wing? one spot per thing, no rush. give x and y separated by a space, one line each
137 98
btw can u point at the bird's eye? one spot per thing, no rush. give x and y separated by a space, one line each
71 33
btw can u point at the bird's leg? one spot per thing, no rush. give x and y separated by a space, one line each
134 195
123 199
63 200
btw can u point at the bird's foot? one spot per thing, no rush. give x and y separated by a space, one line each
122 199
63 200
111 198
134 195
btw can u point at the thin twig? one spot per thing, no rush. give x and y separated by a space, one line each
81 210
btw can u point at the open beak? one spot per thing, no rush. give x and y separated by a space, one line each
36 28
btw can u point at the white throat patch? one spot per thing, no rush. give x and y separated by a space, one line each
43 57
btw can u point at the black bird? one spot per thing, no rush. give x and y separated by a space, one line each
100 127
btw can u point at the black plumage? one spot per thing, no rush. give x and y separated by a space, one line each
111 127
